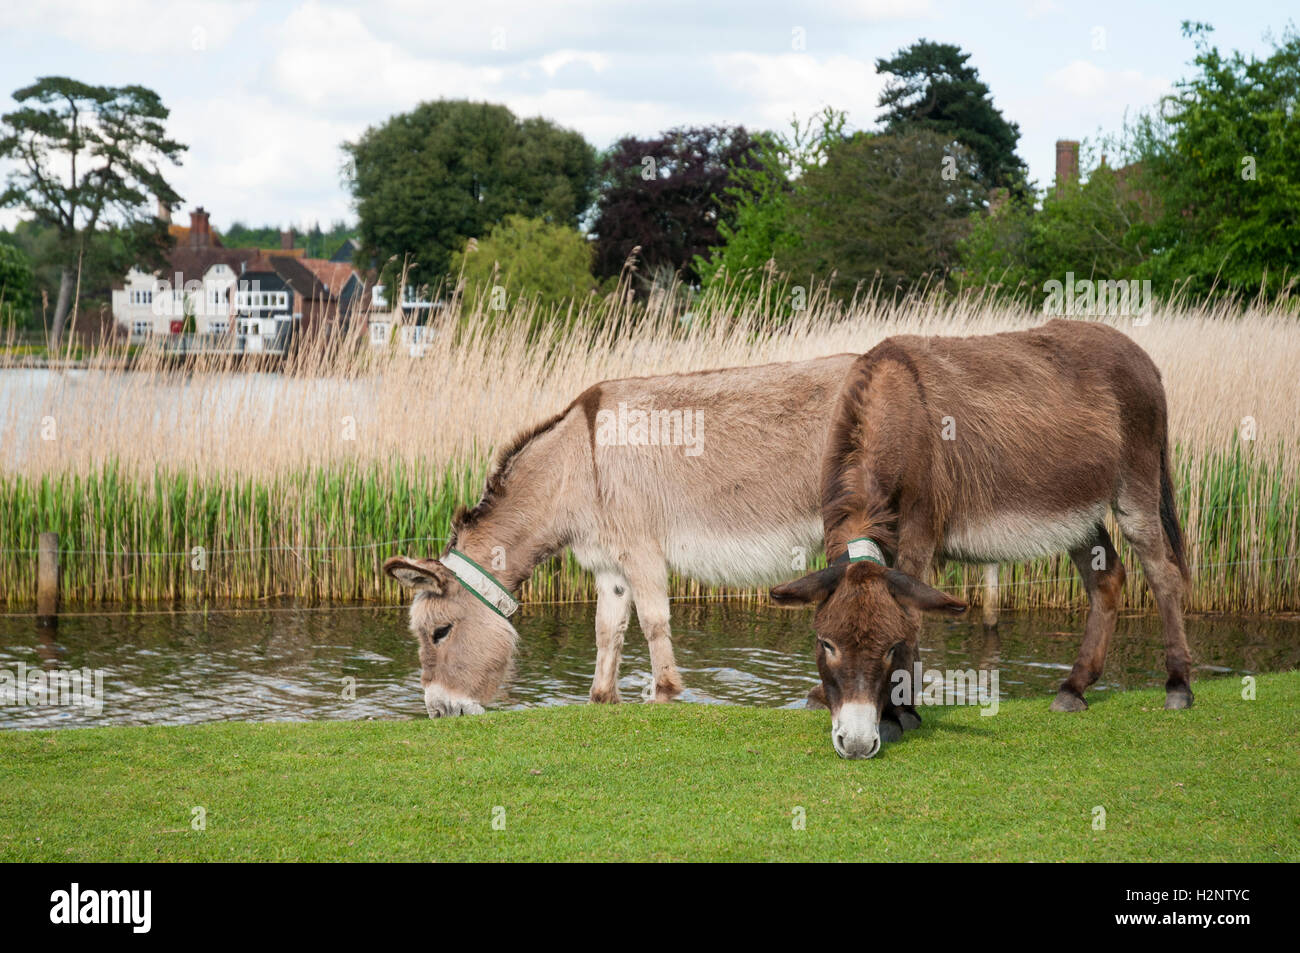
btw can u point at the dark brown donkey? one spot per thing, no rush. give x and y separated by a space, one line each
1000 448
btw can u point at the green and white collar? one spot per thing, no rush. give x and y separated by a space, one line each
481 582
867 550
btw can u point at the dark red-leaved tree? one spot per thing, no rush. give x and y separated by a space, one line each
667 195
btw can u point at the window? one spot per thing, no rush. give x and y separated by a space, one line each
378 333
217 327
141 327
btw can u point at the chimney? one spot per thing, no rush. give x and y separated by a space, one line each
164 213
1067 163
287 240
200 230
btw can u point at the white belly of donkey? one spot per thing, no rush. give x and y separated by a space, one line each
750 558
1018 537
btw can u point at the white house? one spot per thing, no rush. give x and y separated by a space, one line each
148 304
413 319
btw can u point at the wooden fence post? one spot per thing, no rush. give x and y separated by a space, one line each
991 594
47 579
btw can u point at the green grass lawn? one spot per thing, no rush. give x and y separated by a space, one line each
681 782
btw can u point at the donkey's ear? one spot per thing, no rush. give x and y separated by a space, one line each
814 587
910 591
427 575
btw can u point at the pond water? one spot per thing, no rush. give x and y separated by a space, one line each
279 663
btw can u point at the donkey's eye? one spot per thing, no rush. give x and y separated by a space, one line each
889 656
441 633
826 646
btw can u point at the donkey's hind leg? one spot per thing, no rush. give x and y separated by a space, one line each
649 579
1103 578
1143 530
613 609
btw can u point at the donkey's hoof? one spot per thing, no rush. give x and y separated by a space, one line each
909 720
1068 701
890 731
1177 699
662 691
603 697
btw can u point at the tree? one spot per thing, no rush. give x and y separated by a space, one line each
886 208
933 87
426 180
762 194
111 140
1093 229
16 280
1219 162
530 259
1209 197
668 196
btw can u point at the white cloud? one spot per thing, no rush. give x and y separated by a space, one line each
1084 80
784 85
178 27
552 63
1036 9
254 160
327 57
878 10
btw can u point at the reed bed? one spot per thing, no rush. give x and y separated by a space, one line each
299 483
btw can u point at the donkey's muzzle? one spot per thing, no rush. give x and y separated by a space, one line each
855 731
441 703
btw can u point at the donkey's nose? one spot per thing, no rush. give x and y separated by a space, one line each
854 748
855 733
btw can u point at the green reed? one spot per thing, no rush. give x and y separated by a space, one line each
321 535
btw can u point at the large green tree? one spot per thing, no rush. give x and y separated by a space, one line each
1220 162
762 193
1092 228
883 208
1207 198
426 180
85 159
933 86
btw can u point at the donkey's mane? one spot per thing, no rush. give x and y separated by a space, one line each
465 518
845 494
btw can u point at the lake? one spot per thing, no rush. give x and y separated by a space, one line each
286 663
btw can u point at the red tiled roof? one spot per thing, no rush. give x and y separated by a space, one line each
332 274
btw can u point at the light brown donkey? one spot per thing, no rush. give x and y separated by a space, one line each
1005 447
714 475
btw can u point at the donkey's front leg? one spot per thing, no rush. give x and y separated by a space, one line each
915 556
649 579
613 609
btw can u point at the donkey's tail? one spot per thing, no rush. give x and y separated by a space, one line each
1169 515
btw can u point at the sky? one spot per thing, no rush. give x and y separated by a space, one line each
264 91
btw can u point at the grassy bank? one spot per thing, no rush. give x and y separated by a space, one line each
686 782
